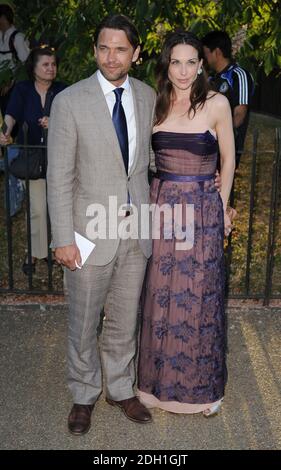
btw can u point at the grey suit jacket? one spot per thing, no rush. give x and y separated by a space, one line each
85 164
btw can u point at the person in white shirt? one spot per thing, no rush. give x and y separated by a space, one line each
13 48
99 151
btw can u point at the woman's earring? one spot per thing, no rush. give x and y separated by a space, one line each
199 72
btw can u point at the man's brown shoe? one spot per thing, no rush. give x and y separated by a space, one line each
133 409
79 419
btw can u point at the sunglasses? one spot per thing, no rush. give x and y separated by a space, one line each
46 46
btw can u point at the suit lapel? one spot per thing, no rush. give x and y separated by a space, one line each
103 118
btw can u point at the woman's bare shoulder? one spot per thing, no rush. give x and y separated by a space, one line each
218 100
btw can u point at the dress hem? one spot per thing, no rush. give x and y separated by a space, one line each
150 401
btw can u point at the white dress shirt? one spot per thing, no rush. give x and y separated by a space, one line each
128 105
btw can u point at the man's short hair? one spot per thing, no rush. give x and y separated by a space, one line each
6 10
220 40
122 23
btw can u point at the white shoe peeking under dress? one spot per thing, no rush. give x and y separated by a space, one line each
213 410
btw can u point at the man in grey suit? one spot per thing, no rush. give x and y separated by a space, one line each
98 149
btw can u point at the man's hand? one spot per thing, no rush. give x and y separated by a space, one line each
67 255
218 181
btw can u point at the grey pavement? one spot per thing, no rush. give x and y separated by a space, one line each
35 402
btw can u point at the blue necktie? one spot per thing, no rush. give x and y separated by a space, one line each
120 124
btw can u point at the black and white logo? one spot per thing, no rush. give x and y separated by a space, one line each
224 87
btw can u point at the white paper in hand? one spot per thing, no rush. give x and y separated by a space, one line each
85 247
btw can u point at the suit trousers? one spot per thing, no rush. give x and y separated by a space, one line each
116 287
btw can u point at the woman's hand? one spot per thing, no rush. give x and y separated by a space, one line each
5 139
44 122
229 215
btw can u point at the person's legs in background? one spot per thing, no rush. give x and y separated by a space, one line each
38 222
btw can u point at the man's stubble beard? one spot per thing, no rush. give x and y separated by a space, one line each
114 77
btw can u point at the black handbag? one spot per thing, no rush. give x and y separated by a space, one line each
31 163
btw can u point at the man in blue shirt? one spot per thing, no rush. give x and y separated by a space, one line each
231 80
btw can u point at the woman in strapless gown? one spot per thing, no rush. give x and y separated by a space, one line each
182 358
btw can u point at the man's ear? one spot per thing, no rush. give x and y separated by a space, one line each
218 52
136 54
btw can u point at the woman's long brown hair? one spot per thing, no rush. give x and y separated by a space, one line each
199 88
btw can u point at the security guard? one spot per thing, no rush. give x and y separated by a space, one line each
231 80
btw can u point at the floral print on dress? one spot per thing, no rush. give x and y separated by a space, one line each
183 338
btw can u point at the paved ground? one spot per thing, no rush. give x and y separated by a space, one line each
34 400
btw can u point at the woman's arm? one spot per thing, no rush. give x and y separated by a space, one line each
15 109
224 130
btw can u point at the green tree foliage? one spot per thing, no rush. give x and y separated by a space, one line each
69 25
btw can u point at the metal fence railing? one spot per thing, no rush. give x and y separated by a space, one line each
263 221
14 227
251 272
